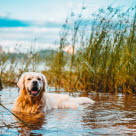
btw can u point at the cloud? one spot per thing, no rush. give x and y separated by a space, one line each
52 24
8 22
25 37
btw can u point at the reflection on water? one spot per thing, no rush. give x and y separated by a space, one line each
110 115
35 122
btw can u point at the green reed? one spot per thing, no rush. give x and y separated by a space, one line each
12 65
105 58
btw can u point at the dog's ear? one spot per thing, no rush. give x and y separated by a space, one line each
44 82
20 83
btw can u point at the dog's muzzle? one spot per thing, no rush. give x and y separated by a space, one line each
34 91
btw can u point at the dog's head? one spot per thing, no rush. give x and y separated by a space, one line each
32 82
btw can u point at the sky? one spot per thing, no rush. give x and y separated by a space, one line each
20 19
45 10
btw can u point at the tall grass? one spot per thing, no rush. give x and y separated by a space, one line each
102 57
106 52
13 65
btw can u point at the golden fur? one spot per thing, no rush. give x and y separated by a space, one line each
29 103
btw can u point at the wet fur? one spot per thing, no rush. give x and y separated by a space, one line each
25 103
44 101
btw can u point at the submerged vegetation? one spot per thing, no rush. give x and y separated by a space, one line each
101 55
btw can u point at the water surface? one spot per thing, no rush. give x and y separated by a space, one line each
110 115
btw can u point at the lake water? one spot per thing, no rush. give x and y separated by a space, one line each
110 115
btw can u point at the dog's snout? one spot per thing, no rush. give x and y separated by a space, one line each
35 82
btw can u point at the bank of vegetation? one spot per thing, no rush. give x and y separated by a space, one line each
102 54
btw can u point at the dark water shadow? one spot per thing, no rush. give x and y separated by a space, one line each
34 121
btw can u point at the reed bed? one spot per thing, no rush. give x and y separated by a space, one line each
101 54
105 58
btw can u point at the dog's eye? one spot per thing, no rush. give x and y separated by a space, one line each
39 79
29 79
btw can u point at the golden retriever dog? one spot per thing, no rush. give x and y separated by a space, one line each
33 97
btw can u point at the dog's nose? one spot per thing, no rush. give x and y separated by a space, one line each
35 82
